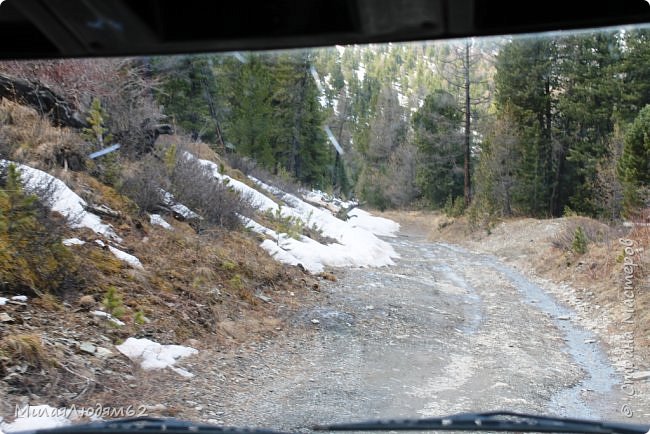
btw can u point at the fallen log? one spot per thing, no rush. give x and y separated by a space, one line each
42 99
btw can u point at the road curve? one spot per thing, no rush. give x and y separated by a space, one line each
442 331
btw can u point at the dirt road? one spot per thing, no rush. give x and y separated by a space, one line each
442 331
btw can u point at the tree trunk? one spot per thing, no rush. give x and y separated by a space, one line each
295 162
468 132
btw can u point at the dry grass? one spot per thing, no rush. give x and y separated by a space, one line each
26 348
28 137
418 222
193 287
200 149
49 302
594 231
95 192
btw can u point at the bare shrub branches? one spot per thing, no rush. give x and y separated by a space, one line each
123 85
195 186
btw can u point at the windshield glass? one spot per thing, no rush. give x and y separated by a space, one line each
281 239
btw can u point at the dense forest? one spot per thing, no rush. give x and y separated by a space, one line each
536 126
523 126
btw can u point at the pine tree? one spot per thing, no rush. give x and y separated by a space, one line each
97 133
300 143
32 256
437 127
586 109
634 167
106 167
251 128
526 82
189 94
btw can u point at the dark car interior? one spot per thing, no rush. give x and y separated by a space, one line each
74 28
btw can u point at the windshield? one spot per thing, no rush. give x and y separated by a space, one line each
283 239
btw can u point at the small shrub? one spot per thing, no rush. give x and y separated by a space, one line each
236 282
142 184
195 186
139 318
31 253
289 225
228 265
579 244
568 212
107 167
593 231
113 304
454 207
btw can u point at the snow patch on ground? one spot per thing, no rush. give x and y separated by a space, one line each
63 200
4 300
359 218
121 255
178 208
152 355
356 242
357 245
73 242
108 316
156 219
257 199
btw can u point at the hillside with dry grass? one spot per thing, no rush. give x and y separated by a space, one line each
201 284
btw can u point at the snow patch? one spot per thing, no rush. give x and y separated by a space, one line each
356 243
4 300
63 200
178 208
257 199
152 355
121 255
156 219
359 218
108 316
73 242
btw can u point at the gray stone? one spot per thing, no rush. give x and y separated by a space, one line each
103 353
264 298
87 347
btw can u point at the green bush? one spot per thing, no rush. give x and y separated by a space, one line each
568 212
32 256
113 304
579 244
454 207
